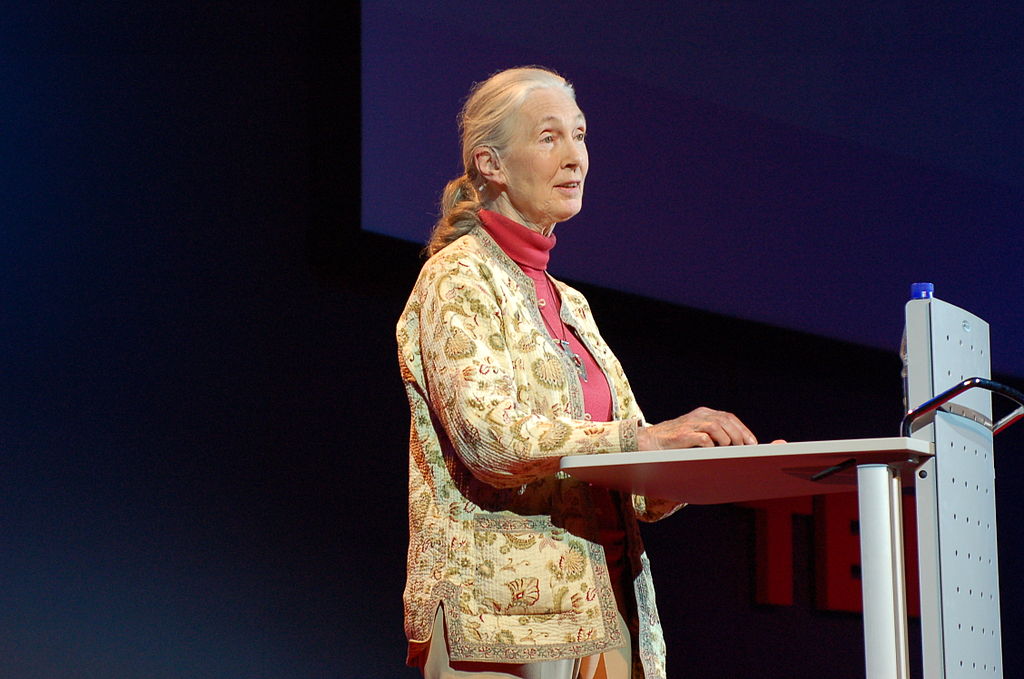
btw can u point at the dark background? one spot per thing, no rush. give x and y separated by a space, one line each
793 163
203 434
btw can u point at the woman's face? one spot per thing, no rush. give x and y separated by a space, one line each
544 166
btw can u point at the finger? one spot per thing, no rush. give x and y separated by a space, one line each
739 432
703 440
716 432
734 433
691 439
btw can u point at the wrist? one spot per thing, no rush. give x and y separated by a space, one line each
646 440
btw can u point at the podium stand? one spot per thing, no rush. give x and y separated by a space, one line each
945 447
872 467
947 357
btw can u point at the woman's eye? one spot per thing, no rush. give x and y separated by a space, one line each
547 139
581 136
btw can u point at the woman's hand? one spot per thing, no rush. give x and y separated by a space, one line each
702 428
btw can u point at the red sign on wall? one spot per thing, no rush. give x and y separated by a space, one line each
836 550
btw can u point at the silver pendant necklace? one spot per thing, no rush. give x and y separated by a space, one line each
562 340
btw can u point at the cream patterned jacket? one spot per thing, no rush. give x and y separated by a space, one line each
499 536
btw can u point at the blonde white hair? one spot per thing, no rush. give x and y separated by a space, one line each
486 119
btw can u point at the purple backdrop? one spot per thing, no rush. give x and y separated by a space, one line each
798 167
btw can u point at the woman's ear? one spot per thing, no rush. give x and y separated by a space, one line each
488 165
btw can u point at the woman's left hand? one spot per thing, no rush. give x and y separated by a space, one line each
701 428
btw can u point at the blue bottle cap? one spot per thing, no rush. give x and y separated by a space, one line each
921 290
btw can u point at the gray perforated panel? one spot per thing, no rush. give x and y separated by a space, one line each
965 482
955 497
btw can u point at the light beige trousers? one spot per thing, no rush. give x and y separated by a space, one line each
613 664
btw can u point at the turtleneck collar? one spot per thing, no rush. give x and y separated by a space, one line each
527 248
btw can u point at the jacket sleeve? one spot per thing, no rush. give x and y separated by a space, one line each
468 366
653 509
650 509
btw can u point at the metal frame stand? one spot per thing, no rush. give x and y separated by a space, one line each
879 496
947 357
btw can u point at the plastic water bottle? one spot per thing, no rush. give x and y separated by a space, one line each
917 291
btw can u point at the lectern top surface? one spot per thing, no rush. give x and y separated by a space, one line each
741 473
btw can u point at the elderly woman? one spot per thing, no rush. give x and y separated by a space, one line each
514 568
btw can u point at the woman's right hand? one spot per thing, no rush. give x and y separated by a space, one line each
702 428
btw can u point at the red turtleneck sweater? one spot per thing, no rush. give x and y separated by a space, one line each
531 251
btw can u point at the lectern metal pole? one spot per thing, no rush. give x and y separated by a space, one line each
881 557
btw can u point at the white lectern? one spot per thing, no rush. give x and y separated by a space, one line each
946 448
741 473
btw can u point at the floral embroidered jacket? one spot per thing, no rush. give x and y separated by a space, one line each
507 543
